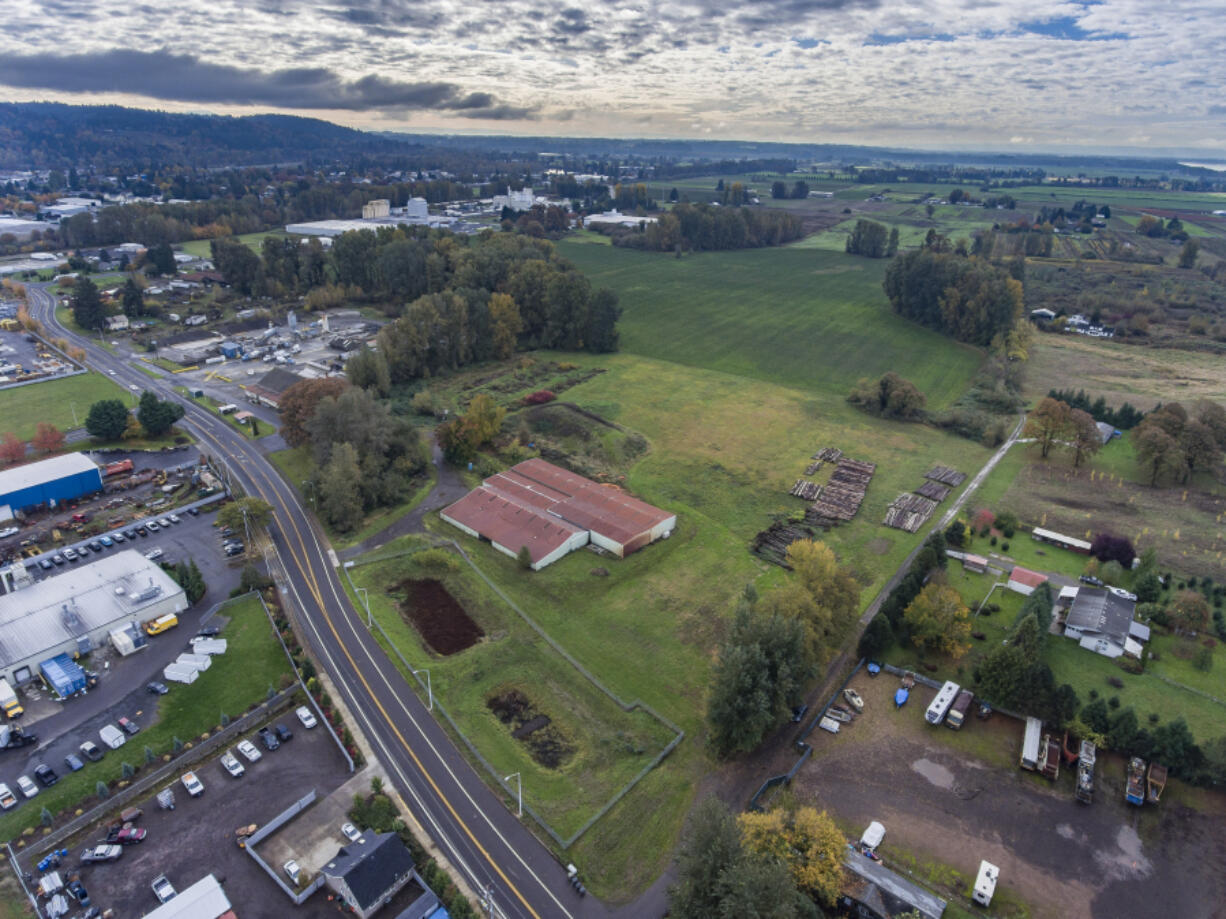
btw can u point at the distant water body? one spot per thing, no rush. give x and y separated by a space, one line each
1216 167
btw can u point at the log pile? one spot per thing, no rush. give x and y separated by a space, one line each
909 512
841 499
806 490
813 467
828 455
951 477
772 543
934 490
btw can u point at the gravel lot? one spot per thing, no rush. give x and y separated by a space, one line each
198 837
958 797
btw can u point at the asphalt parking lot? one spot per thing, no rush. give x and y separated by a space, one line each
198 836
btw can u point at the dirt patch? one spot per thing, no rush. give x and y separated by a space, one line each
440 620
547 745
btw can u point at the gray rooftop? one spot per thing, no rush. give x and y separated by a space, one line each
1097 610
48 470
895 887
101 594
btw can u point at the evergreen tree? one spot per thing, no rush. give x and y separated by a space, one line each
87 309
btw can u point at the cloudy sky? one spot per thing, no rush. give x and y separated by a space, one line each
1003 74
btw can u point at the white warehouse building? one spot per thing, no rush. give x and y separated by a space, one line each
73 613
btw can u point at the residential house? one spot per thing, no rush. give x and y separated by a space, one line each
1101 621
118 323
367 874
1024 581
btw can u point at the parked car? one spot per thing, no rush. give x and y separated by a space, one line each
209 631
268 739
129 725
152 526
226 532
305 717
106 541
27 786
142 531
73 762
283 733
230 763
57 560
164 523
71 555
174 518
163 889
154 554
117 536
7 798
1091 580
194 511
96 545
293 872
91 751
107 852
194 786
78 891
250 753
46 775
133 532
853 699
127 835
45 564
232 551
350 832
156 688
798 713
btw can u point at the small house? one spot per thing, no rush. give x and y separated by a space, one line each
367 874
976 564
1024 581
1101 621
1043 313
118 323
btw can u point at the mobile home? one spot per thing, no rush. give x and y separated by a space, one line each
940 705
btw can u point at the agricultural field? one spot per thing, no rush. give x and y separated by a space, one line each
237 680
721 451
803 318
63 402
200 247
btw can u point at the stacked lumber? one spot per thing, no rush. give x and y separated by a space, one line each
951 477
934 490
841 499
813 467
806 490
853 474
772 543
828 455
909 512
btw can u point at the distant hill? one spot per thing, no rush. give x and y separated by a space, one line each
49 134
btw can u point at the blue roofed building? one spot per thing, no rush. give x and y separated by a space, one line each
50 482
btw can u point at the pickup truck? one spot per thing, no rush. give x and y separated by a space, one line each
102 853
194 786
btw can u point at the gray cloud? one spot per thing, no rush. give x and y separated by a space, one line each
184 78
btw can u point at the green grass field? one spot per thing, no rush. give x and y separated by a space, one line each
237 680
200 247
54 401
803 318
610 745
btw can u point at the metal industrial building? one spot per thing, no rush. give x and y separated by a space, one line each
50 481
74 612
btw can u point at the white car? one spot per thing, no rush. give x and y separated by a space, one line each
154 554
305 716
7 798
9 531
173 518
163 889
28 788
250 753
230 763
194 786
350 832
294 872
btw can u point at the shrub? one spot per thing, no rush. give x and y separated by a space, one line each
1114 701
1116 683
992 540
1004 547
540 397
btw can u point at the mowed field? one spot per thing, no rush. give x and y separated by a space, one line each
54 401
200 247
803 318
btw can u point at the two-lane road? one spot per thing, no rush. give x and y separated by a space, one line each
480 837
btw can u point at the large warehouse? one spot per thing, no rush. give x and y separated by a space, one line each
50 481
553 511
74 612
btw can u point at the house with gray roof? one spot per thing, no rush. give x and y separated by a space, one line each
1101 621
370 873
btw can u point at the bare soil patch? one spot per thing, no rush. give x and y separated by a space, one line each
547 745
438 617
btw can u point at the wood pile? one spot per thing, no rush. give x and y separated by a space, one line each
853 474
909 512
841 499
828 455
813 467
951 477
772 543
934 490
806 490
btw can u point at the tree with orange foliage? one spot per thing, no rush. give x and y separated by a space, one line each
47 438
12 448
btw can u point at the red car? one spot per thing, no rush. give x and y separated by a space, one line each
127 836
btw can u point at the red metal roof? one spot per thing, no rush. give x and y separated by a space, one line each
1027 577
509 523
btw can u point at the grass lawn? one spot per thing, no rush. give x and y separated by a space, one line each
200 247
610 745
54 401
803 318
297 467
237 680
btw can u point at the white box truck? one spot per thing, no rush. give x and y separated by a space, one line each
112 736
8 700
985 883
940 705
1030 744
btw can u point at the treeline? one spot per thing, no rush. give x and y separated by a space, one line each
1125 417
1173 442
363 456
703 228
871 239
964 297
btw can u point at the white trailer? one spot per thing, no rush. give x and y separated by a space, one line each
940 705
177 673
200 662
1030 744
208 646
985 884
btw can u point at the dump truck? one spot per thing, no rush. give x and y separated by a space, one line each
1155 779
1134 793
1085 772
8 700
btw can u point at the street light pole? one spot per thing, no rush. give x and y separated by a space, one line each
429 690
365 602
519 787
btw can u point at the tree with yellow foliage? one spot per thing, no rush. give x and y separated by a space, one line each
939 621
805 840
823 596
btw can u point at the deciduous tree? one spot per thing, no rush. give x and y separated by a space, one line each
298 404
1049 423
245 512
805 840
1157 451
1084 437
939 621
340 498
1190 610
47 438
12 448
